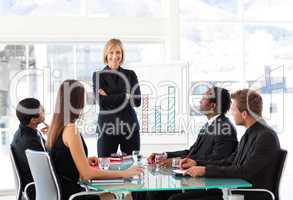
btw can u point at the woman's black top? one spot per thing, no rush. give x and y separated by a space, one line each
68 175
117 84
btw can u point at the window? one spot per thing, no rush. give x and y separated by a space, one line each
126 8
40 8
207 10
270 72
97 8
268 10
233 44
240 44
37 70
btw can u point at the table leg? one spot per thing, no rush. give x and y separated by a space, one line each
123 195
226 192
119 195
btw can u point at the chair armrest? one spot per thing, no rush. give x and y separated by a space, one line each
26 188
85 187
254 190
84 193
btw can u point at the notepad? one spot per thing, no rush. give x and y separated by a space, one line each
120 159
178 172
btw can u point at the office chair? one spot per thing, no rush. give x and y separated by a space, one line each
277 177
20 195
46 181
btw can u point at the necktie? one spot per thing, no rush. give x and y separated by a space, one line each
241 149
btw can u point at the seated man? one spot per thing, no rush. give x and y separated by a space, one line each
256 156
216 140
30 114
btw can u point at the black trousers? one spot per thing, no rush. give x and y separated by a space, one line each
157 195
213 194
68 188
108 144
88 197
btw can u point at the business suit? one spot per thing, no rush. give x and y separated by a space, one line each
117 94
255 161
26 138
214 142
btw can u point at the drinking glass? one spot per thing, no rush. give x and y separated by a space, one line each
135 156
158 159
105 163
175 163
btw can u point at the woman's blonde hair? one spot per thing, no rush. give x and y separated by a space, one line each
110 44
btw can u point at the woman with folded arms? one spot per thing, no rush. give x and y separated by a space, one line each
117 92
67 146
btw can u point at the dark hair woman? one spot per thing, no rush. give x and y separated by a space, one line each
68 149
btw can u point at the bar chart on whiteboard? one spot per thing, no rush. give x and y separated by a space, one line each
164 103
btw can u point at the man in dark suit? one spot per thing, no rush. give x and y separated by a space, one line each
256 156
30 114
216 140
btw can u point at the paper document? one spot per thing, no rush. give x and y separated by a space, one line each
178 171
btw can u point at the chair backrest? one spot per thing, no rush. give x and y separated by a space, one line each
279 172
47 187
17 179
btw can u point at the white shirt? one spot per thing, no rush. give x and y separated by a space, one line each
211 120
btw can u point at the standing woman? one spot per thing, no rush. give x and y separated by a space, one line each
117 91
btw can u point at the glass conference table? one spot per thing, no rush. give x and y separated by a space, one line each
159 179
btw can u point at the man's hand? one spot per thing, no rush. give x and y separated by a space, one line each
195 171
45 128
166 162
187 163
151 158
93 161
102 92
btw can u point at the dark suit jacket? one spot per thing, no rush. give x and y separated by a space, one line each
254 161
25 138
116 88
214 142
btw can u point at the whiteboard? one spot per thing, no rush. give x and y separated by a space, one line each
164 89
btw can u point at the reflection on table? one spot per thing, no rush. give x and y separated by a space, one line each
156 179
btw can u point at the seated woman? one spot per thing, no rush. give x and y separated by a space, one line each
67 147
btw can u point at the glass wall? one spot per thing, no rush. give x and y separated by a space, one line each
97 8
233 44
40 8
37 70
240 44
129 8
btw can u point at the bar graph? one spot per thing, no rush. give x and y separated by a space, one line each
145 113
164 98
171 109
156 120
